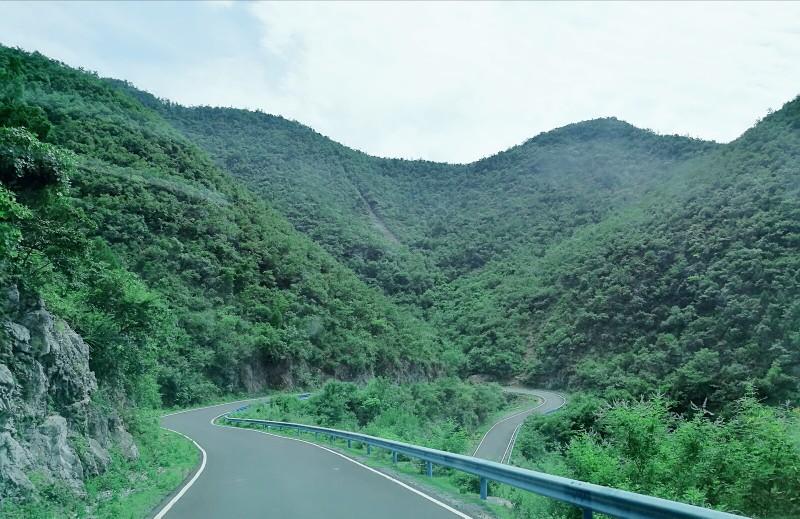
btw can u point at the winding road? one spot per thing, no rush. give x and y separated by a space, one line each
246 473
498 442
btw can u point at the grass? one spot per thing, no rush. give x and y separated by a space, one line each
127 490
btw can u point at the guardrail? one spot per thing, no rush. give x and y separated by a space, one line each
586 496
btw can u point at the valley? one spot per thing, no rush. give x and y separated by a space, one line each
194 254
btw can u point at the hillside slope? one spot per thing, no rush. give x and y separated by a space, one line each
179 264
695 291
596 255
448 219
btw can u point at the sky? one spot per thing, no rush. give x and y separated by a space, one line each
448 81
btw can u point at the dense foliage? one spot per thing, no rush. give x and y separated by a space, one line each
694 291
748 463
596 255
442 414
408 225
183 283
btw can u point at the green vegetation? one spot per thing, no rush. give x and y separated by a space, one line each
128 490
205 251
746 463
442 414
183 283
185 286
595 256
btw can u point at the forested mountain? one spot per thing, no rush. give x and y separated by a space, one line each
182 282
693 290
171 255
435 222
597 255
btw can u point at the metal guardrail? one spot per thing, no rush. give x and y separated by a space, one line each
586 496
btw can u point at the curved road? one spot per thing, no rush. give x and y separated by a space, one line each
498 442
246 474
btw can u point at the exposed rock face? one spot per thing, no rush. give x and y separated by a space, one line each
48 422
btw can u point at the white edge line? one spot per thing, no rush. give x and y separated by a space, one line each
513 440
166 508
544 401
510 447
378 472
161 513
213 405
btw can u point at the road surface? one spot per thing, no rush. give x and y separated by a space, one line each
247 474
498 442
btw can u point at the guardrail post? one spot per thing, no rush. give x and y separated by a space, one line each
587 513
316 435
348 444
369 449
429 468
394 457
484 488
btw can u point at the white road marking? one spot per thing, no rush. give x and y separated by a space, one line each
513 440
161 513
378 472
544 401
510 447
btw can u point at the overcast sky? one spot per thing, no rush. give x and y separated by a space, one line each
450 82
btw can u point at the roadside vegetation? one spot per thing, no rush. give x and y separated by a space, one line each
127 490
745 461
443 414
207 252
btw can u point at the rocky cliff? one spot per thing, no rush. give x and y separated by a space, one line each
50 426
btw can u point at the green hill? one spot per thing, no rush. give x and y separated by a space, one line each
442 220
597 255
566 260
175 274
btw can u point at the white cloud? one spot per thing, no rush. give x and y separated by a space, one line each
457 81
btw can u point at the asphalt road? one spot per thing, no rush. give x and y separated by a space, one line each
248 474
498 443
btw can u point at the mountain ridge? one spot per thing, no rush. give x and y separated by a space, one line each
483 251
491 218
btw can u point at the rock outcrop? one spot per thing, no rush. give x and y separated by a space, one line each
49 424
